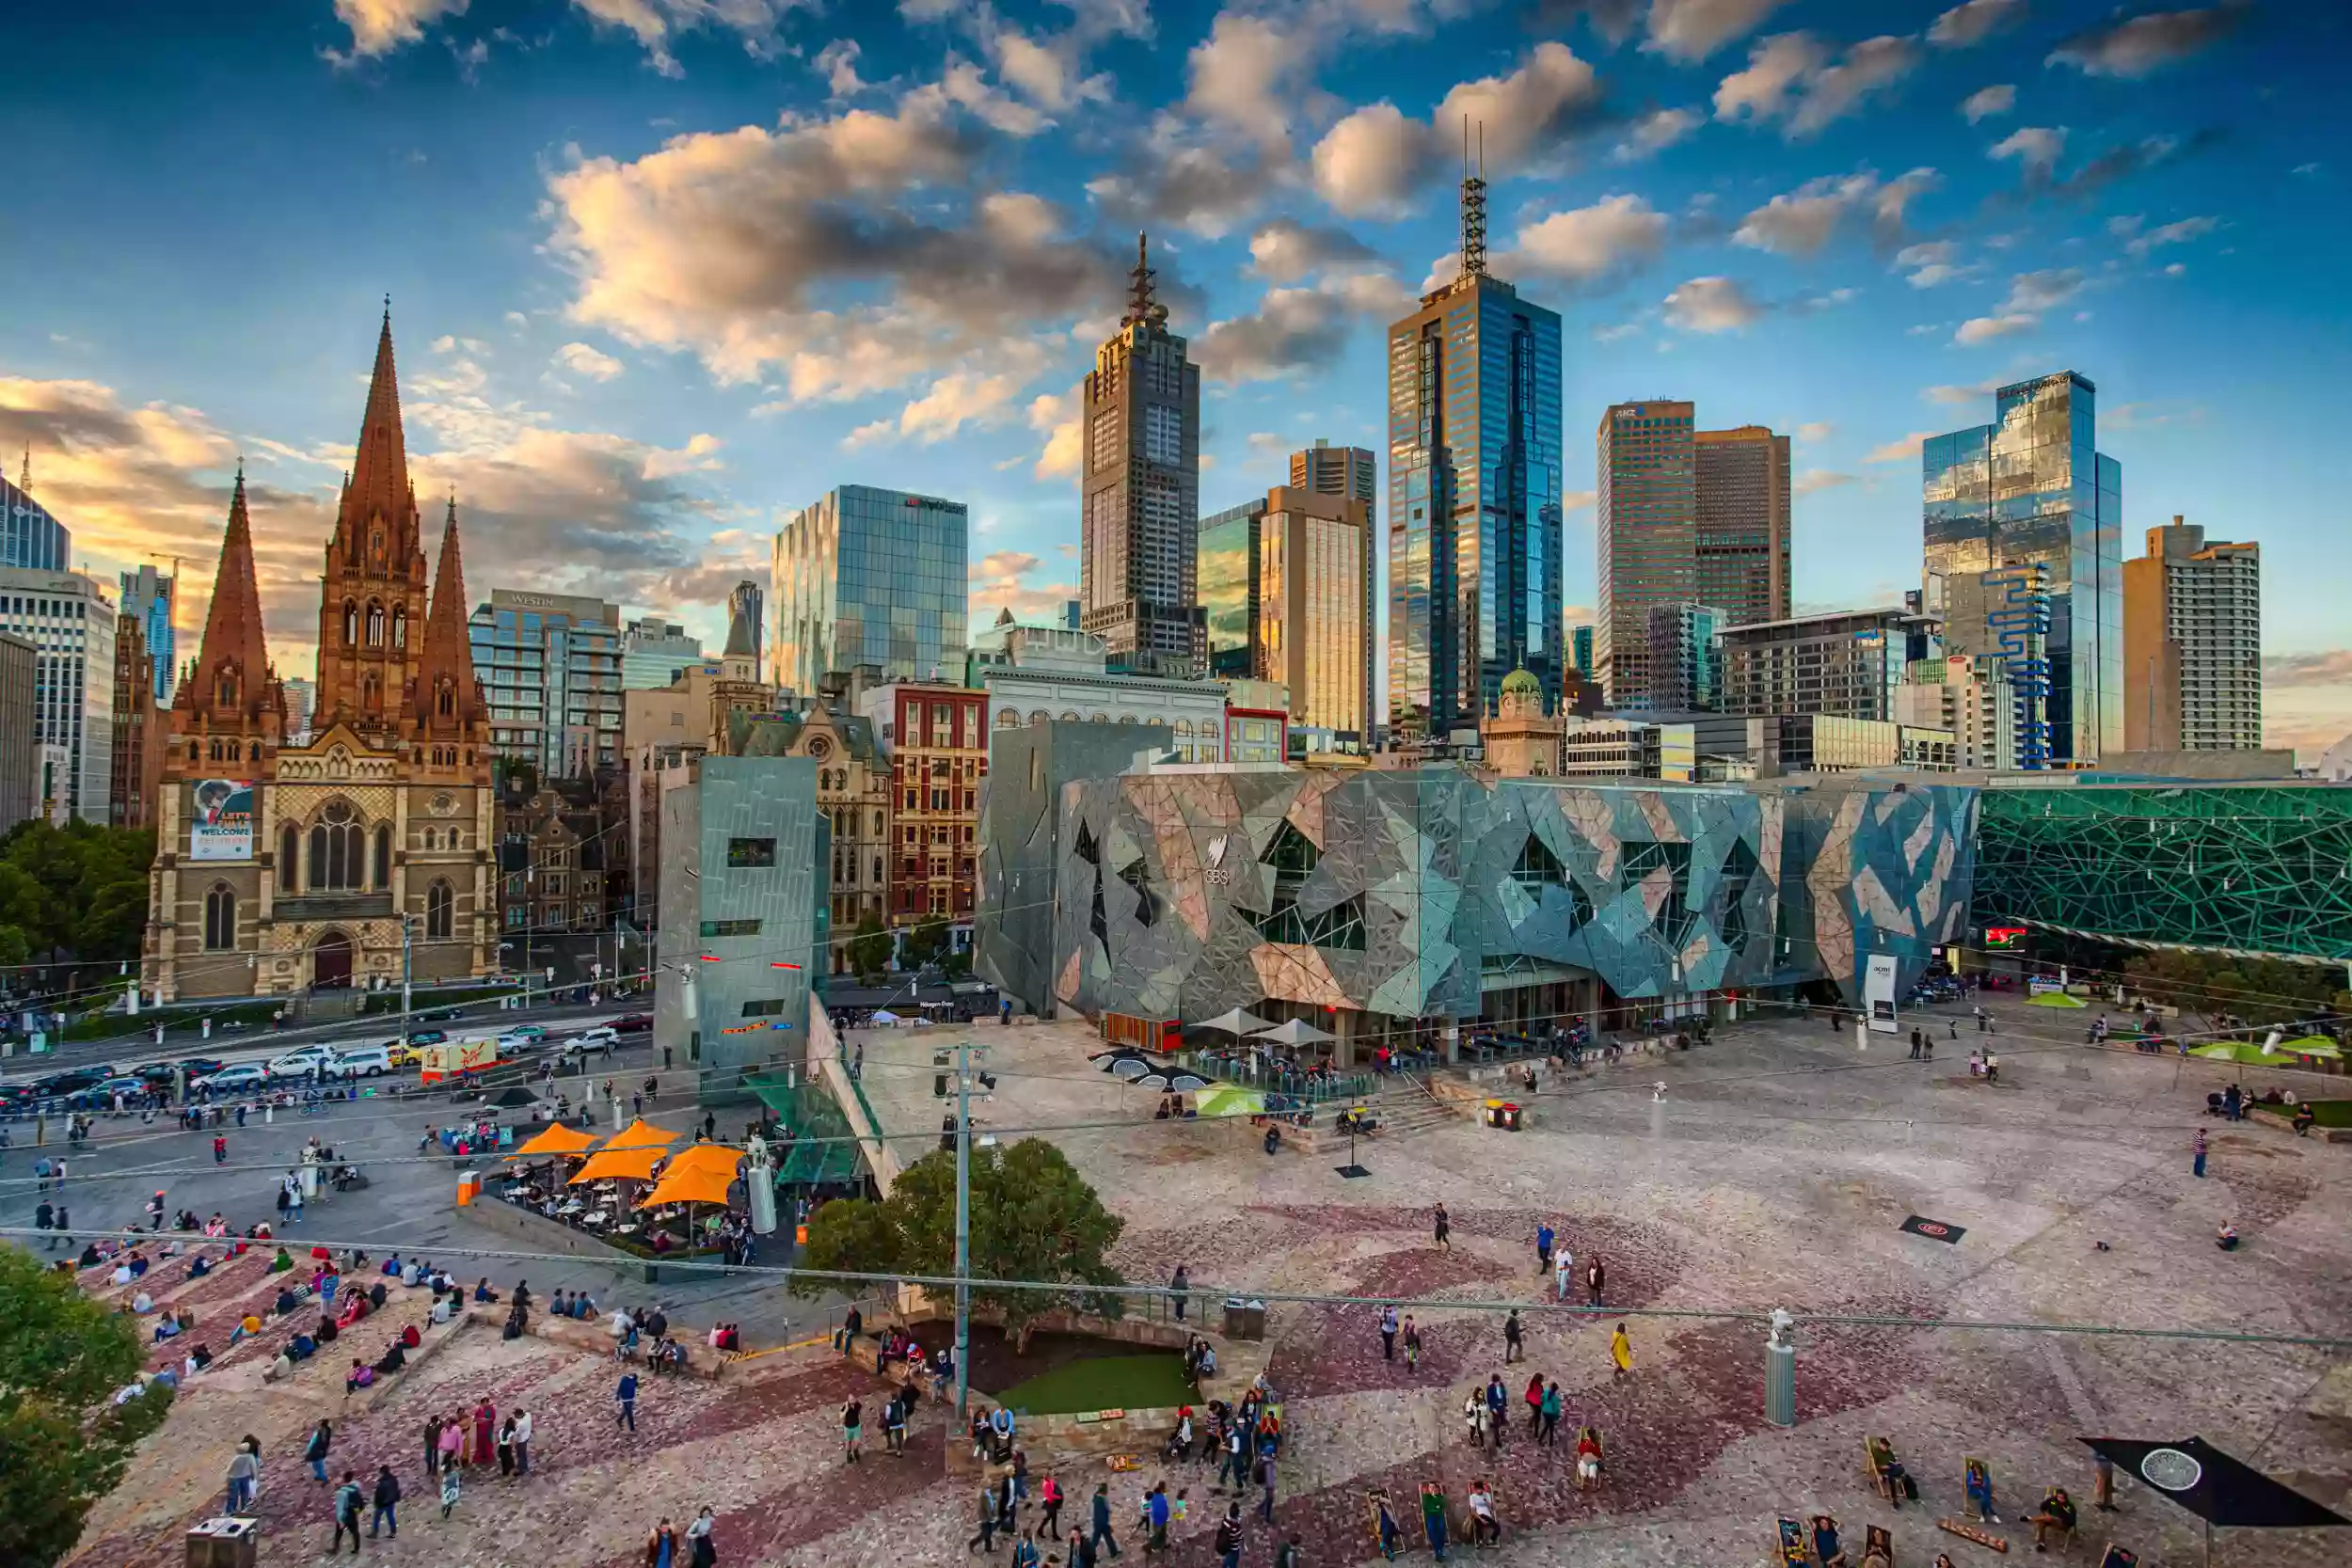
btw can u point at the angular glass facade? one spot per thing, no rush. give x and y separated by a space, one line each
871 577
2032 489
1228 587
31 539
1474 526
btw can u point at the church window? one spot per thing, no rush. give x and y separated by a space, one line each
220 919
375 625
225 687
289 858
338 850
439 909
431 839
370 694
351 624
446 700
384 856
400 626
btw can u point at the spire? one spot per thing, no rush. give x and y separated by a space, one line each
26 483
1139 302
446 664
233 642
378 483
1473 204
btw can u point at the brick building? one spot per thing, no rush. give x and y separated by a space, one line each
935 736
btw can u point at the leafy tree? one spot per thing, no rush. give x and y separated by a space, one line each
2260 990
868 951
1033 1217
63 1444
75 895
925 943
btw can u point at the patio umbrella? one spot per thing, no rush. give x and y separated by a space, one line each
885 1016
558 1139
2217 1488
688 1185
1147 1080
1294 1032
1229 1099
718 1157
632 1152
1187 1083
1126 1062
1236 1023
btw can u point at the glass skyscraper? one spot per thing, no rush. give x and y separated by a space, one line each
31 539
148 594
2032 490
875 577
1474 528
1228 587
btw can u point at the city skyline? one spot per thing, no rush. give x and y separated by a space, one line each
1756 208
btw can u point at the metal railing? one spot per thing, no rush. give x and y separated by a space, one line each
1254 1071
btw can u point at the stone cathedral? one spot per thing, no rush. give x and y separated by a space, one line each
281 867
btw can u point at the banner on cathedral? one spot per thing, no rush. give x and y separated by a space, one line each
223 828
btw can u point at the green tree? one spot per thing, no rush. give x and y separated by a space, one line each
1033 1218
925 943
63 1444
868 951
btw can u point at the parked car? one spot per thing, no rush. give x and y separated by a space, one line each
124 1085
245 1078
363 1061
72 1081
633 1024
199 1066
303 1061
533 1032
428 1036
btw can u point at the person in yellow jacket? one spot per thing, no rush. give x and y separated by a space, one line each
1620 1352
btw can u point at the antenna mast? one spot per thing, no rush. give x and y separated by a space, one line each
1473 204
1139 284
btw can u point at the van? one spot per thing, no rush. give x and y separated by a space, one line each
363 1061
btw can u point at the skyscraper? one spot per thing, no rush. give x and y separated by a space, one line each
2032 490
868 575
30 538
1139 493
748 601
552 664
150 596
1581 650
1743 538
1228 575
2193 644
1329 470
1685 514
1473 496
66 616
1685 667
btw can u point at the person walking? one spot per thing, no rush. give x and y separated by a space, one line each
433 1426
44 1221
1620 1353
347 1499
701 1551
451 1485
626 1397
1549 1408
984 1539
244 1470
1514 1345
384 1503
852 1416
1562 1265
662 1545
315 1452
1915 1045
1443 1225
1265 1483
522 1442
1229 1537
220 1150
1412 1345
1048 1525
1595 1277
1387 1314
2197 1162
1101 1535
1543 1245
507 1446
1179 1286
1233 1461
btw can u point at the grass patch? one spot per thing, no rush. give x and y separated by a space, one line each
422 1001
110 1027
1103 1383
2330 1113
2056 999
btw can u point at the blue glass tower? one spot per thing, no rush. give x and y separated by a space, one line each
2032 489
30 538
1474 528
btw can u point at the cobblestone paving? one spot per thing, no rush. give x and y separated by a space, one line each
1776 1172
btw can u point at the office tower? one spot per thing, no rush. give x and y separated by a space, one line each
1329 470
2032 490
1581 650
1647 532
139 738
1074 613
1140 494
1971 696
150 596
1686 668
66 618
1742 540
302 698
867 575
31 539
551 665
747 602
1315 611
2193 644
1843 665
19 745
1227 554
653 651
1473 496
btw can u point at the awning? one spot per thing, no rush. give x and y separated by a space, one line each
813 1164
557 1139
689 1184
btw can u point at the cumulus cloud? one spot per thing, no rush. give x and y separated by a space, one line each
1962 396
1814 481
2036 292
1974 21
960 397
1244 76
996 584
1373 159
2118 163
1985 103
581 360
1713 305
1285 251
1802 221
836 62
2327 667
1902 450
2140 46
1654 132
380 26
1929 263
1173 178
1796 79
1587 245
1295 329
656 23
2036 148
1984 330
1056 415
1689 30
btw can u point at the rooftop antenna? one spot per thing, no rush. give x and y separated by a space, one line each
1473 203
1139 285
26 482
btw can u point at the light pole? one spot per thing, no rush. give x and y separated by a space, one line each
963 1224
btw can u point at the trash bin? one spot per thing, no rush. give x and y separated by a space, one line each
469 1187
223 1543
1243 1319
1503 1114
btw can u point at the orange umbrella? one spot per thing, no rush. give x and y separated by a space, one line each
717 1157
631 1153
689 1184
557 1139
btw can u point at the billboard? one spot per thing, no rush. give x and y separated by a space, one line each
2004 938
221 825
1878 991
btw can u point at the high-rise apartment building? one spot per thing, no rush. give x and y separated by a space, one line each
1329 470
19 745
1139 490
1742 541
30 539
551 664
867 575
2032 490
2193 644
1971 696
302 700
1684 515
66 617
1474 524
653 651
1845 664
1685 667
150 596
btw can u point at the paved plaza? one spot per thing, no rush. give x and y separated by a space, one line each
1777 1170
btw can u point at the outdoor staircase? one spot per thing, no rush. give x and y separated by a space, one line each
1403 1109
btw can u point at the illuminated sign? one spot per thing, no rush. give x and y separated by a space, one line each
2005 938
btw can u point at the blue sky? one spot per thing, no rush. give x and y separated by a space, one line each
663 270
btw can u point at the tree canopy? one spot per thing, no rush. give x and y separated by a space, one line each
1033 1217
73 894
63 1443
2259 991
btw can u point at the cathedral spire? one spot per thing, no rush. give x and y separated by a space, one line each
232 662
379 484
448 697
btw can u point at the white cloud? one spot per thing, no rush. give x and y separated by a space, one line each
1983 329
1973 21
380 26
2140 46
996 584
1816 433
1985 103
2172 233
837 63
1587 244
1654 132
1711 305
1294 329
581 360
1244 76
1689 30
2035 291
1525 114
1800 222
1284 250
1814 481
1371 161
2036 148
1794 77
1904 449
1929 263
1960 397
963 397
1057 416
656 23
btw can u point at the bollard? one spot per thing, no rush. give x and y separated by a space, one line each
1780 1371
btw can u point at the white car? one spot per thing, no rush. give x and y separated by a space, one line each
241 1079
364 1061
303 1061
